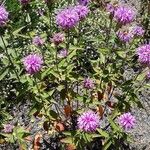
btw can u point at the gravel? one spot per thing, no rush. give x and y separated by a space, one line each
141 133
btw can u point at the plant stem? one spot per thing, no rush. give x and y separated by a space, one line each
68 40
109 31
68 2
12 37
56 59
9 58
67 47
39 93
79 33
77 92
50 17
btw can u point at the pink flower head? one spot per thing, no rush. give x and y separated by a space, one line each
58 38
88 121
3 16
38 41
124 15
144 54
138 31
8 128
88 83
67 18
83 2
127 121
63 53
24 2
33 63
125 35
82 11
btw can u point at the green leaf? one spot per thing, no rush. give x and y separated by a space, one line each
17 31
67 133
103 133
53 114
2 44
51 92
71 54
107 144
60 87
70 133
67 140
87 137
121 54
62 63
55 74
147 85
95 135
113 124
3 73
21 132
102 58
46 73
141 76
104 51
23 36
36 107
28 18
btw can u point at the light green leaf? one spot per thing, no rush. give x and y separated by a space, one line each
103 133
3 73
107 144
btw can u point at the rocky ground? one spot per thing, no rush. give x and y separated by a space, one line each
141 133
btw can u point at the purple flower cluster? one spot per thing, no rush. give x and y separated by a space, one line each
58 38
82 11
38 41
33 63
69 17
144 54
124 15
88 121
3 16
83 2
125 36
24 2
88 83
8 128
63 53
138 30
127 121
